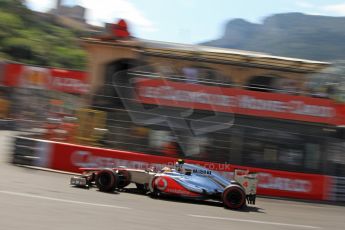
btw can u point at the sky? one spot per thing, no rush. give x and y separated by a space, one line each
189 21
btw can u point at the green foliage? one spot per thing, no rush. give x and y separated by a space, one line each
10 20
30 38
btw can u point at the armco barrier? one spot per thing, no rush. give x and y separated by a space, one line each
70 157
28 151
337 192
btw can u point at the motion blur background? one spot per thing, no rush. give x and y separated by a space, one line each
71 72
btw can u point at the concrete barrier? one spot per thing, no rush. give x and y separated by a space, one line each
71 157
7 124
29 151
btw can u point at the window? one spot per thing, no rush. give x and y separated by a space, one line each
262 83
196 146
312 156
159 138
204 75
290 156
270 154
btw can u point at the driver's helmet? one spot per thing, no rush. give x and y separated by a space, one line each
179 166
166 169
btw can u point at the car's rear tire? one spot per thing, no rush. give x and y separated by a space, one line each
106 180
234 197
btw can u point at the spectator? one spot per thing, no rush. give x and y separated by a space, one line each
191 74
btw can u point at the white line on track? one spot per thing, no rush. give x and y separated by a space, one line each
295 204
60 200
255 221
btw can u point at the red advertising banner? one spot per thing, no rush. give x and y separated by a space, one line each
69 81
12 72
69 157
239 101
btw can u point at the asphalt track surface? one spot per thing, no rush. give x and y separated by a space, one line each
33 199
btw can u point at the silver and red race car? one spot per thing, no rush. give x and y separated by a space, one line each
184 180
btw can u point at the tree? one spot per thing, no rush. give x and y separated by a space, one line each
30 38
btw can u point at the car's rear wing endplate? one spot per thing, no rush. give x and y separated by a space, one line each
247 179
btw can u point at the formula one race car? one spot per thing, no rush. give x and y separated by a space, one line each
183 180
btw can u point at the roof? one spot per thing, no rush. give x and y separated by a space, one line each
223 55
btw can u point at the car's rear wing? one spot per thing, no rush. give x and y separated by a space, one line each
248 181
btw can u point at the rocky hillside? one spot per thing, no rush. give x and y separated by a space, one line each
292 34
